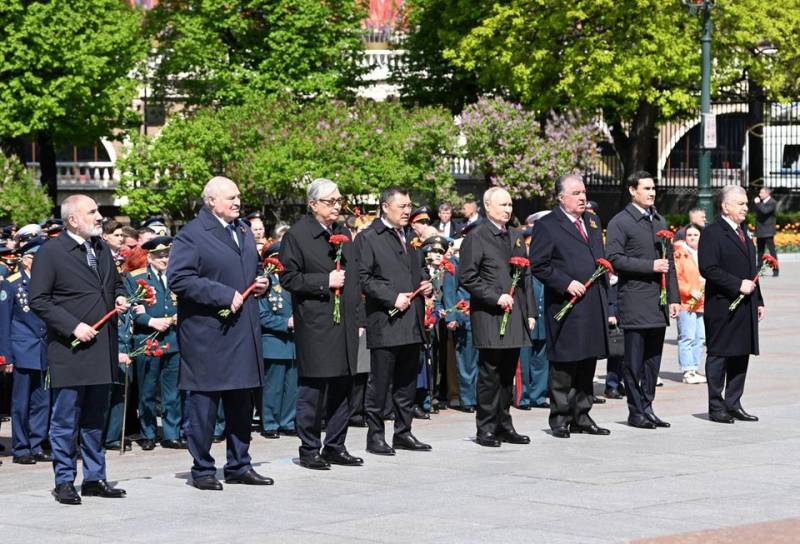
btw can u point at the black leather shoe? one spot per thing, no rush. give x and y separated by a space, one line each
24 460
42 457
114 446
409 442
147 444
207 483
598 400
288 432
643 423
100 488
174 444
271 434
419 413
341 458
66 494
589 429
658 421
524 407
514 437
544 404
741 415
487 440
721 418
357 421
611 393
466 409
560 432
251 477
314 462
379 446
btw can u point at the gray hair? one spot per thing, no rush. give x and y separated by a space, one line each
727 192
280 229
490 192
212 186
70 207
319 188
562 180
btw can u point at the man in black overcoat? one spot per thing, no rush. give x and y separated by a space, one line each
766 210
635 251
390 271
212 262
727 261
486 273
327 350
564 251
74 283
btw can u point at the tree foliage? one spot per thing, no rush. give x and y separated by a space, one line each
272 148
21 200
224 51
508 145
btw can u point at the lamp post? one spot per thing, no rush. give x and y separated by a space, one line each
707 131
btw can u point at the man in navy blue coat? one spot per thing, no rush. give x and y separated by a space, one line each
212 262
23 342
566 245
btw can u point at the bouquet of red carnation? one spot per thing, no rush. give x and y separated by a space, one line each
144 293
271 266
338 241
460 306
430 321
3 360
603 267
518 264
150 347
665 237
767 262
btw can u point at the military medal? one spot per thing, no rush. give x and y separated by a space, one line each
592 223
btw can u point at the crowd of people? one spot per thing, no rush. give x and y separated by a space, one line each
338 321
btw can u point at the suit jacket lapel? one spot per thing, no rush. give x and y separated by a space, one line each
71 247
733 237
213 224
568 225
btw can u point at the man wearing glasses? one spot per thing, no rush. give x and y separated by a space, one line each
391 271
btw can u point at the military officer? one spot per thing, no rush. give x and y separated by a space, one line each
158 365
23 342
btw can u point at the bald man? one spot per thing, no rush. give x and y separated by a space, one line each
212 262
74 283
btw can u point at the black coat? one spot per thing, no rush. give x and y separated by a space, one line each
387 271
558 256
765 218
485 273
324 349
64 292
632 246
206 268
724 262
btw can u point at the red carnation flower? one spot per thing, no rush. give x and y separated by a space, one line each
605 264
519 261
337 239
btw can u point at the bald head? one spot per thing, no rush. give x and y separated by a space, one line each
497 203
81 217
221 196
733 203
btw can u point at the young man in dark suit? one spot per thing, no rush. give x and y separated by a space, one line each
766 209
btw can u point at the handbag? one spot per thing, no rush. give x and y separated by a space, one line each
616 342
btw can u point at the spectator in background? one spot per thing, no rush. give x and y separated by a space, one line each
470 211
691 331
130 237
113 235
697 216
446 224
766 209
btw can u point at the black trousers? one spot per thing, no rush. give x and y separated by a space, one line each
358 390
318 397
571 392
393 373
496 370
726 373
640 368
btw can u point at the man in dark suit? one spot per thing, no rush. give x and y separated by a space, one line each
74 282
390 271
564 251
446 224
486 273
23 342
727 261
766 209
212 262
635 251
327 348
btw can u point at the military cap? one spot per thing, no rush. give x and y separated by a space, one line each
436 244
32 246
534 217
159 243
271 249
27 232
420 214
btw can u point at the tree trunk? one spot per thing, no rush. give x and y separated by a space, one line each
47 163
13 147
635 149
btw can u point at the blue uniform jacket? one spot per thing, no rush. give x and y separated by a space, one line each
451 294
275 310
23 336
539 332
164 307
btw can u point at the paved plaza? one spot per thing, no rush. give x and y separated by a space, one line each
696 482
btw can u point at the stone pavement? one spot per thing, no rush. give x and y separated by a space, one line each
696 482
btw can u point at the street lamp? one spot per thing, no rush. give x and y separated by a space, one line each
707 121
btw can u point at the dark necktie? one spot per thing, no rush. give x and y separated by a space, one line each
232 230
648 215
579 226
740 232
91 257
402 238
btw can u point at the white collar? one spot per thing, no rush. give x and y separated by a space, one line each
222 221
732 223
644 212
763 200
75 237
572 219
499 227
385 222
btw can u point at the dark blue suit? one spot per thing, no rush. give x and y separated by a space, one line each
279 398
534 367
23 342
152 370
466 354
220 357
116 406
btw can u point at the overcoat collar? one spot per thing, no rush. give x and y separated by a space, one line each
569 225
78 252
733 237
639 216
211 223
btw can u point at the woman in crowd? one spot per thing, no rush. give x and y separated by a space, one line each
691 331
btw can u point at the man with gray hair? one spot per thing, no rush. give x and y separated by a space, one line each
212 262
727 261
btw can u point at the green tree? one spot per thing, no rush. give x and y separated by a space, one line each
222 51
21 200
272 147
65 73
636 61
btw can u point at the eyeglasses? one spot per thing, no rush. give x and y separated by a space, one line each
331 202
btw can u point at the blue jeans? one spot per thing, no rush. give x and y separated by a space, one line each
691 340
